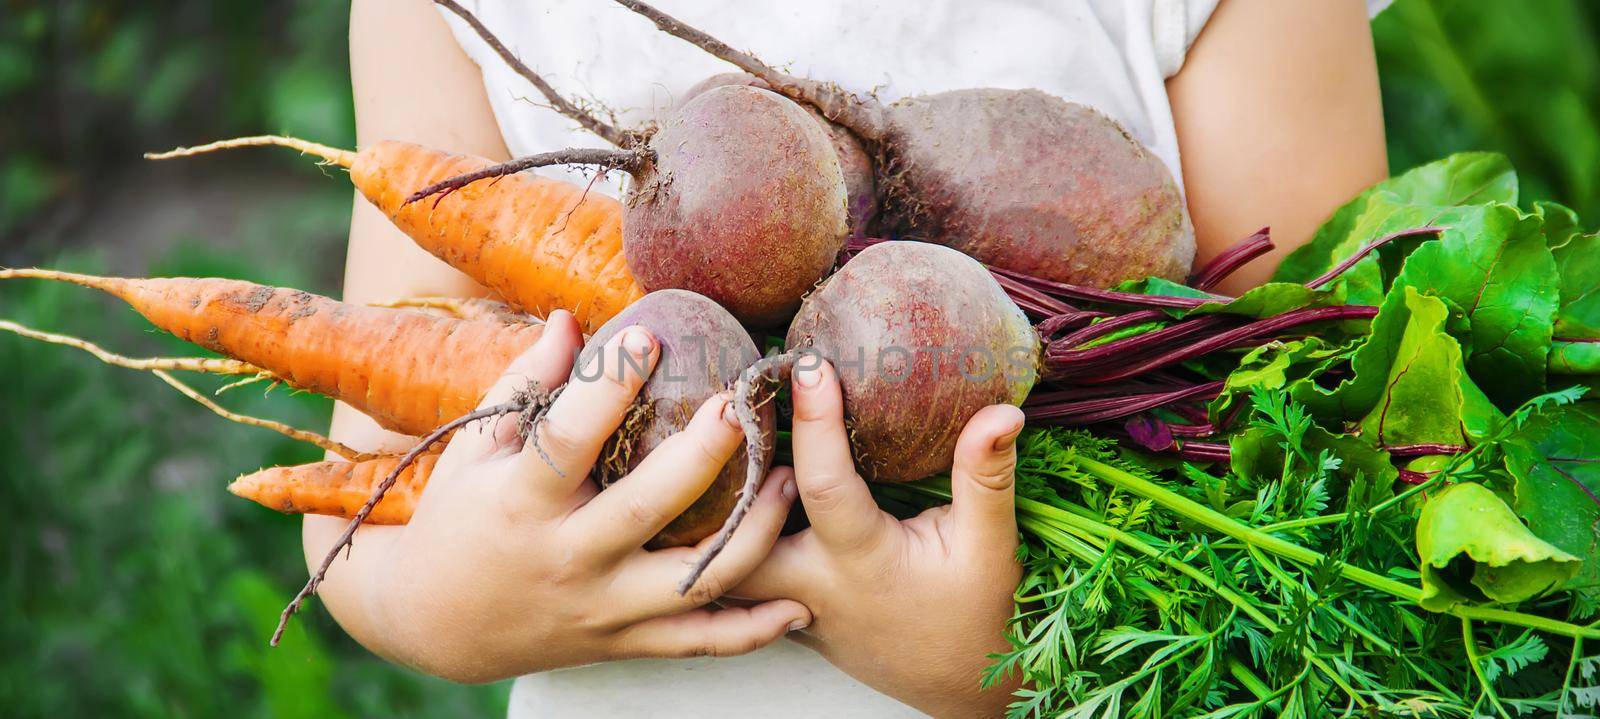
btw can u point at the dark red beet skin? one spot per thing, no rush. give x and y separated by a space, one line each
1019 179
744 203
922 337
853 159
703 349
1024 180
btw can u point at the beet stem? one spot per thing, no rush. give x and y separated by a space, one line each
1115 297
1059 357
1101 329
1230 260
1410 476
1033 300
1204 451
1101 410
1423 450
1191 430
1075 319
1367 249
1221 340
1074 394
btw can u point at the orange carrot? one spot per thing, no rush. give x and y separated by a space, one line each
339 489
410 371
541 244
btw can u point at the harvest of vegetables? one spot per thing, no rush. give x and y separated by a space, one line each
1368 487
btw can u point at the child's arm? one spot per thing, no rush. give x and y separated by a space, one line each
495 576
1279 122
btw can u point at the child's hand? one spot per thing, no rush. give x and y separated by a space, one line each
512 564
910 608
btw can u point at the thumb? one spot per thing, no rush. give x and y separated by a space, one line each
983 482
546 363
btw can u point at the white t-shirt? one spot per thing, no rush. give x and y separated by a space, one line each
1113 55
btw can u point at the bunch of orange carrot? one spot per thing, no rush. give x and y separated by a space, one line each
541 244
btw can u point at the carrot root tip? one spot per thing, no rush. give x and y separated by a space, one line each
329 155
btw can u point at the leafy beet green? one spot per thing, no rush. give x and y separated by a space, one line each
1474 548
1461 179
1407 382
1575 346
1553 462
1493 266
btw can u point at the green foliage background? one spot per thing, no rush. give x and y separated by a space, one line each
132 584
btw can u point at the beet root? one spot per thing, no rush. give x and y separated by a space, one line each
1024 180
703 350
921 338
744 203
1019 179
738 196
853 158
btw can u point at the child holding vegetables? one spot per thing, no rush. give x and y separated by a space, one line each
514 565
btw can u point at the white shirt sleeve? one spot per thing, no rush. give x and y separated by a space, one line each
1176 23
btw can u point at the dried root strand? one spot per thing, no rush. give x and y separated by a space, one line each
325 444
160 366
242 382
464 308
754 388
606 160
617 454
834 102
609 132
208 365
329 155
528 405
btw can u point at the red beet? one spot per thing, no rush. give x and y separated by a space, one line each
743 203
922 337
703 350
738 195
1016 178
853 159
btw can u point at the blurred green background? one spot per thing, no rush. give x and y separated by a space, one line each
133 584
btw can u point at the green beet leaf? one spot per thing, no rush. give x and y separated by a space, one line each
1554 459
1494 266
1473 549
1272 298
1275 298
1410 200
1272 366
1575 347
1409 383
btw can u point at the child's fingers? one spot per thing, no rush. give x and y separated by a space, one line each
793 567
983 482
842 512
649 582
632 510
566 441
547 364
714 633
